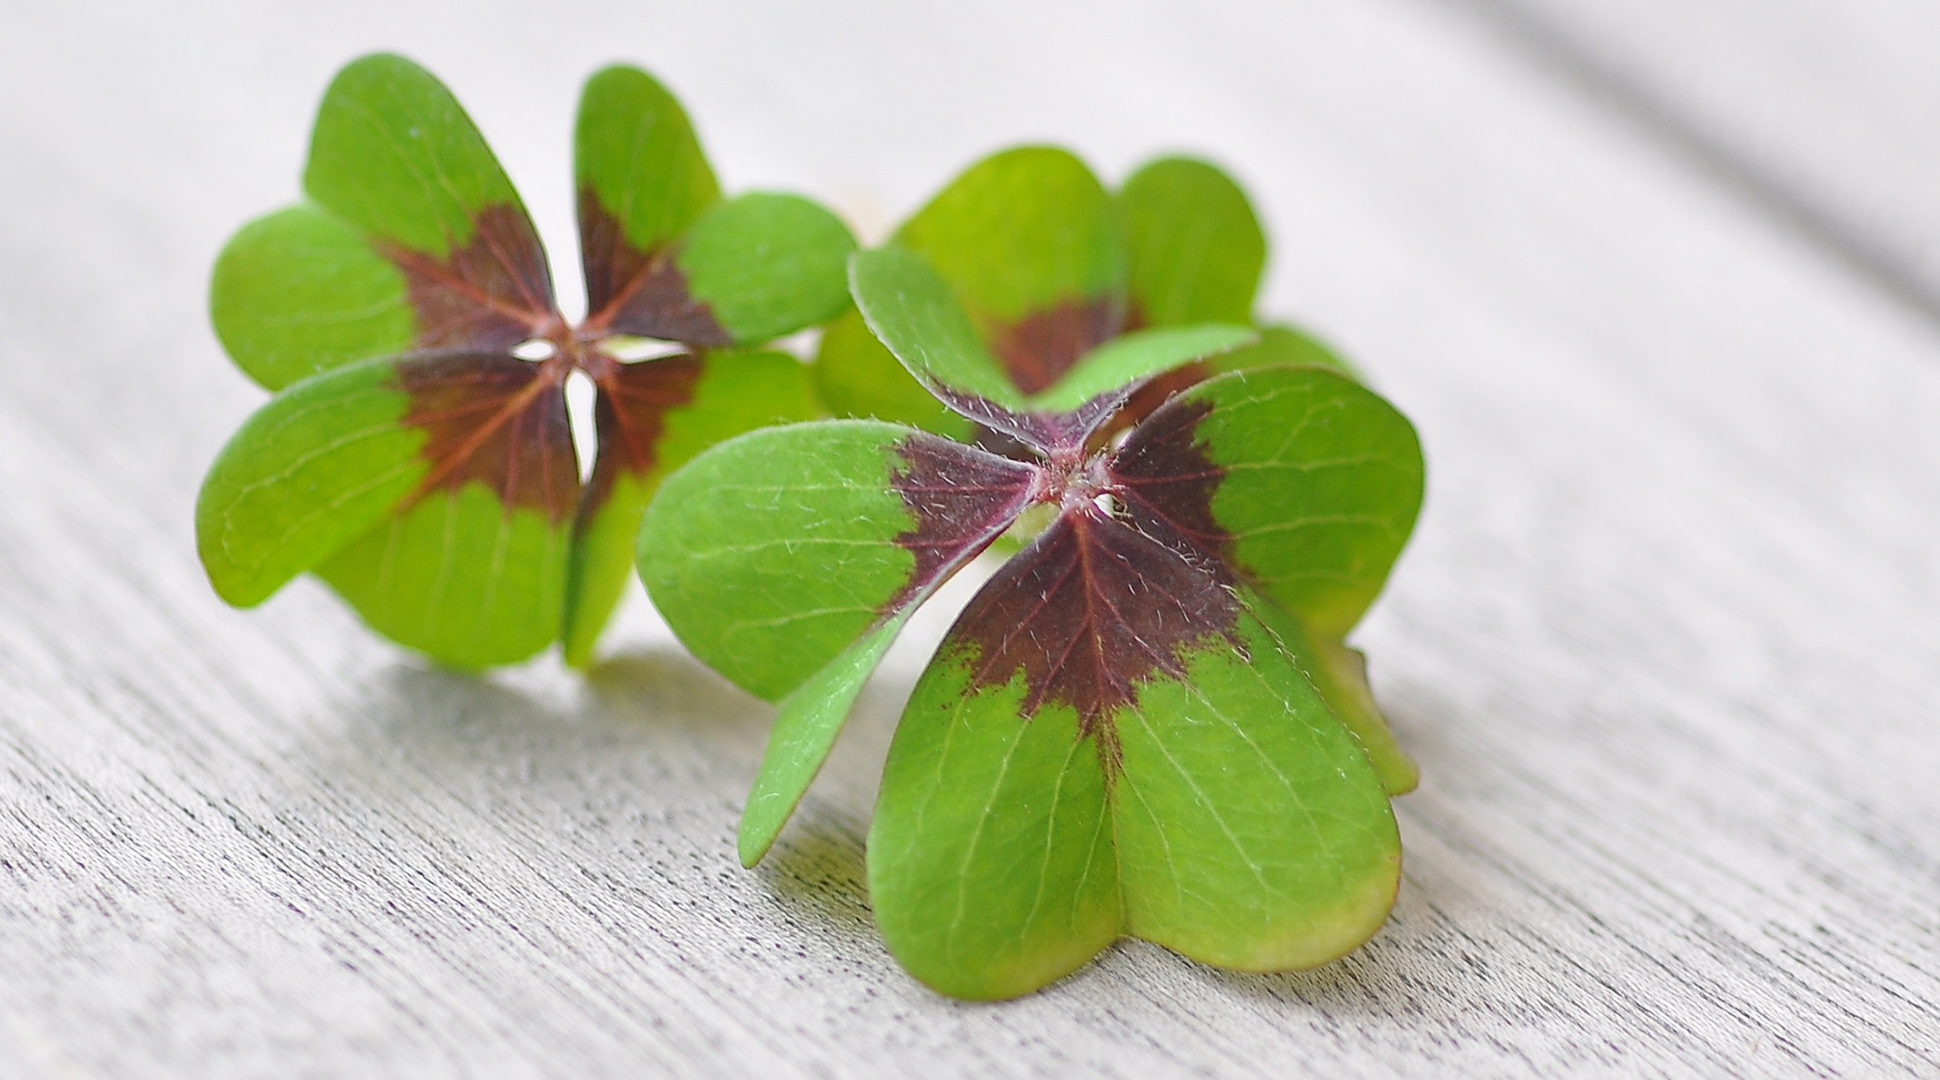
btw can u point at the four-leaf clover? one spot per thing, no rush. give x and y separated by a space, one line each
1145 723
418 455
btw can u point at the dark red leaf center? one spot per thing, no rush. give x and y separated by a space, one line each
1128 580
637 292
961 498
493 418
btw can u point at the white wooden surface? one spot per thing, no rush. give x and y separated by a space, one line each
1666 645
1825 111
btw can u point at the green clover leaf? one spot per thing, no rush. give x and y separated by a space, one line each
1146 723
417 453
1048 267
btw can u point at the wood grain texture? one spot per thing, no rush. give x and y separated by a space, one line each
1665 644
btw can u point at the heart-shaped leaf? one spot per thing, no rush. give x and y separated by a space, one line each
413 239
300 292
1318 484
1248 826
1196 250
760 264
641 175
320 464
395 157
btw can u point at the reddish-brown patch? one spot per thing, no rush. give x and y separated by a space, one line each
962 499
490 294
1089 612
1111 595
1165 481
496 420
1039 348
630 414
644 293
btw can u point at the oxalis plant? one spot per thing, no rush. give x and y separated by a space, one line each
417 455
1146 722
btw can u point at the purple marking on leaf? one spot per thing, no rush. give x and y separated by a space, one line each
630 291
1110 598
630 410
1093 609
1165 480
962 499
490 294
494 419
1040 347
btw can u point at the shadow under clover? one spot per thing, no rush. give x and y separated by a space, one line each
670 690
644 765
